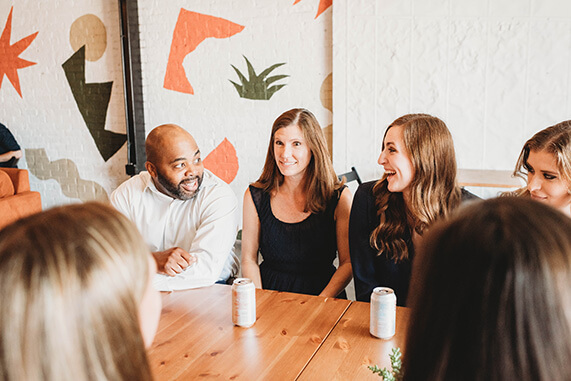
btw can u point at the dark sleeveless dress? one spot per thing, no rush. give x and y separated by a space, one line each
297 257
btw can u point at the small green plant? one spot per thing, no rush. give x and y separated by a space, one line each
396 364
258 86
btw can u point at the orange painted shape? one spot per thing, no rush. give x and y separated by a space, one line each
10 61
191 29
223 161
323 5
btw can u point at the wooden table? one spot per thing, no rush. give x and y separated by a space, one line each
350 348
196 337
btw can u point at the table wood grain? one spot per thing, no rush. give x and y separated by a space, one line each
196 337
350 348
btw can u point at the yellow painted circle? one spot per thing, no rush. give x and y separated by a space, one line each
89 30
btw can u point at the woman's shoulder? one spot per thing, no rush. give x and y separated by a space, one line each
258 194
366 189
467 195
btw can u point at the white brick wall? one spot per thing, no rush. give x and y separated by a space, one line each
494 71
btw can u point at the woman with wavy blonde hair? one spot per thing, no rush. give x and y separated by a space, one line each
77 301
296 214
389 215
545 164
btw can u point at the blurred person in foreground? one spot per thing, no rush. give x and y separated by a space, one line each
77 300
491 296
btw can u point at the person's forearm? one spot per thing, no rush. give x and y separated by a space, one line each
338 282
251 271
8 155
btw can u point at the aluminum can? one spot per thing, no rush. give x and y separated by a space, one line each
383 313
243 302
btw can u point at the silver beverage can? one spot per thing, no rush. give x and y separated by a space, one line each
383 313
243 302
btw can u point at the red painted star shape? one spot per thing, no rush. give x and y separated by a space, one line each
9 60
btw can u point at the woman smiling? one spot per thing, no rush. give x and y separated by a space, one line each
296 214
389 216
545 163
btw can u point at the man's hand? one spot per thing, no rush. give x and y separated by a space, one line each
173 261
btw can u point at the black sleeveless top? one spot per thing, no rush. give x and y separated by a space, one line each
297 257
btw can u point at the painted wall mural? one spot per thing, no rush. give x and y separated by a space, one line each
192 29
88 33
71 118
323 5
326 96
10 60
223 161
258 86
65 172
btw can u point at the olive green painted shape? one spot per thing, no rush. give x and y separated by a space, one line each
92 100
258 87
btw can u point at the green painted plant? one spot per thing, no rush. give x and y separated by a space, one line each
396 364
258 86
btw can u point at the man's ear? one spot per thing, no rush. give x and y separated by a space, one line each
150 167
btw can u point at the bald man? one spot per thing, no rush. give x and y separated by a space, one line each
187 215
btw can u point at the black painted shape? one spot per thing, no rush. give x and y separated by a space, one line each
92 100
133 86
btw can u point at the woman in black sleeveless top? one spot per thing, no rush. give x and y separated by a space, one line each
296 215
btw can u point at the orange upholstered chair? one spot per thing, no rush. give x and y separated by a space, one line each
16 199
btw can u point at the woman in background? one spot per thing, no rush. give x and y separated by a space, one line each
389 216
491 296
77 301
545 163
296 214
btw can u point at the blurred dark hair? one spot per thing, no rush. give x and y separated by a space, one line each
491 295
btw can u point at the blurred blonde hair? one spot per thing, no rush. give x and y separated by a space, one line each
434 190
73 278
320 178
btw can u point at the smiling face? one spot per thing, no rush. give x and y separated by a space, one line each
177 170
396 161
545 183
291 151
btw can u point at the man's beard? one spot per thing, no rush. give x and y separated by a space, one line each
177 191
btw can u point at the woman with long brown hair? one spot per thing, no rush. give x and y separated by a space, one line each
77 300
545 164
296 214
389 215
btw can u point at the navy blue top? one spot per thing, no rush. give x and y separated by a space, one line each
369 269
8 143
297 257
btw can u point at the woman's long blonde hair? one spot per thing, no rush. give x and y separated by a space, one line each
555 140
320 178
434 191
72 280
